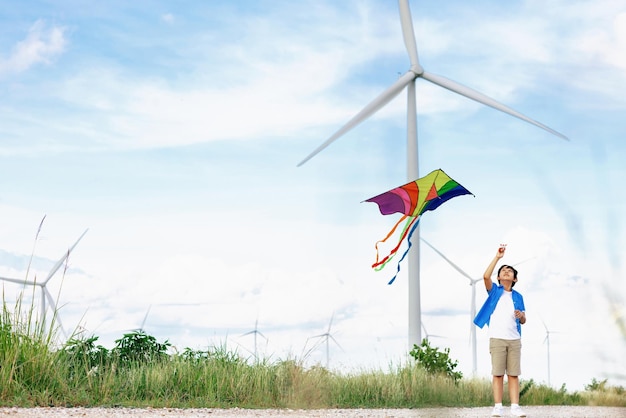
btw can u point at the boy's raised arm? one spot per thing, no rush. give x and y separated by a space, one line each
492 266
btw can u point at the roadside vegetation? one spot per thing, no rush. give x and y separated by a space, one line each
140 371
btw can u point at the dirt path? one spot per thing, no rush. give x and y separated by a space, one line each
532 411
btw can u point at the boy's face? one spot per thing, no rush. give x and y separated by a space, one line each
507 274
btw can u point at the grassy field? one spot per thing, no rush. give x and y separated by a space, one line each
139 372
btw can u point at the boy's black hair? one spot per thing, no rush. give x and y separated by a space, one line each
514 273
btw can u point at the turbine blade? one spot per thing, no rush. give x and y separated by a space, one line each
317 343
373 107
62 260
409 36
145 318
18 281
39 229
53 307
523 261
484 99
335 341
457 268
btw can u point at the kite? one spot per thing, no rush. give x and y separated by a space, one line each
412 200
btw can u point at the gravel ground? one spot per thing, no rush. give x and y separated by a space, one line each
532 411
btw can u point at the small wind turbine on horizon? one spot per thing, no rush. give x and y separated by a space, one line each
408 81
427 335
547 342
255 332
325 337
142 328
45 293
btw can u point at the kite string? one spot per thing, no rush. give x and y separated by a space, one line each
413 228
380 264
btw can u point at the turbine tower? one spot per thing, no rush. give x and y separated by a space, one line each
45 294
408 81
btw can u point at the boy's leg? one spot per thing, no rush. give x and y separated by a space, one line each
514 369
498 388
513 382
498 349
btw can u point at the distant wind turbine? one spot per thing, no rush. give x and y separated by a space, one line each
255 332
325 337
547 342
472 306
427 335
142 328
408 81
45 294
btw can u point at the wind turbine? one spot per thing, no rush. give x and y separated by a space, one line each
141 328
408 81
325 337
473 303
45 294
547 342
427 335
255 332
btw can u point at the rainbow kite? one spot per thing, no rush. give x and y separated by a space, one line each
412 200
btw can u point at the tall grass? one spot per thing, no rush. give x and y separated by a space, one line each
24 352
34 372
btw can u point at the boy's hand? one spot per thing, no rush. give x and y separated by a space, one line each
501 251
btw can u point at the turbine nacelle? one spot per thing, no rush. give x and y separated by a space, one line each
417 69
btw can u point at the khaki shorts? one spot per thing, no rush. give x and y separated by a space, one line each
505 357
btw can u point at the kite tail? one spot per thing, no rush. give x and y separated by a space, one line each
413 228
380 264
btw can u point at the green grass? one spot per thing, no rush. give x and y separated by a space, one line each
138 373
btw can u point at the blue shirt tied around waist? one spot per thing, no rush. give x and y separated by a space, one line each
484 315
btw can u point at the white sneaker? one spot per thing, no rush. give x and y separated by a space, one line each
516 411
497 411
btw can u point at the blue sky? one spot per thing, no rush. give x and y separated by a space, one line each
173 132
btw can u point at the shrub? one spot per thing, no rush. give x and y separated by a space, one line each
139 347
82 354
435 361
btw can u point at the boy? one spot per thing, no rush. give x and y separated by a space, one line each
504 312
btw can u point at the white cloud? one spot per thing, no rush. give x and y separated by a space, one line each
41 45
247 89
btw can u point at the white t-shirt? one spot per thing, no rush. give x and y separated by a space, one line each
502 323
